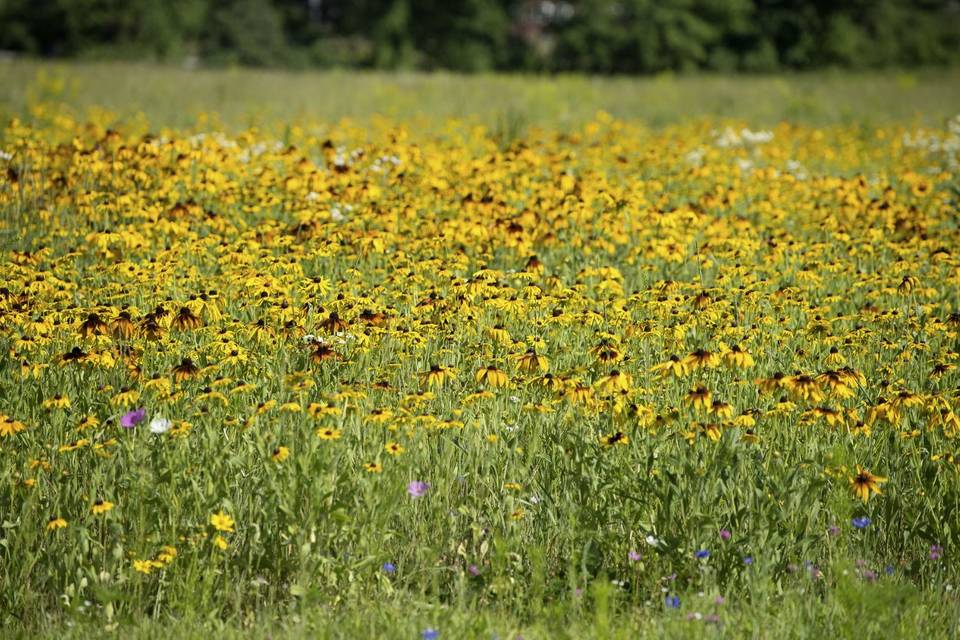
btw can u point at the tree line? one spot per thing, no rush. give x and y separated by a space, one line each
599 36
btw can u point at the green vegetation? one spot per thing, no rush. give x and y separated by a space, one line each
433 356
600 36
175 97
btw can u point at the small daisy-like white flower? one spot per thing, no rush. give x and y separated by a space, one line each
160 425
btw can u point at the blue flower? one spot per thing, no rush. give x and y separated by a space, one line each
748 560
862 522
673 602
389 567
703 553
430 634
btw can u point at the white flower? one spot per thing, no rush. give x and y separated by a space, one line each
653 542
160 425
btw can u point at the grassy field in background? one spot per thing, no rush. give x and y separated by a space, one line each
174 97
639 358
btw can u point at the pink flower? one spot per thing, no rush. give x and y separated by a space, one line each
633 556
417 488
724 534
132 418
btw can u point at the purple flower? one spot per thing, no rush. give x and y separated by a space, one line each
703 553
634 556
389 568
833 530
673 602
862 522
748 560
430 634
417 488
936 551
132 418
474 570
725 534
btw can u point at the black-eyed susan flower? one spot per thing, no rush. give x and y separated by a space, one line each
831 416
372 467
122 327
10 427
436 376
712 430
614 382
491 377
721 409
93 325
615 438
209 394
865 483
836 384
101 506
804 387
323 408
606 351
279 454
701 358
907 284
58 401
674 366
328 433
55 523
394 448
532 362
186 320
579 393
75 355
333 323
700 397
738 357
150 328
499 334
550 382
773 383
185 370
834 358
322 353
125 397
73 446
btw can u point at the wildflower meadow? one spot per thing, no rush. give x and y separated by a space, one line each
365 378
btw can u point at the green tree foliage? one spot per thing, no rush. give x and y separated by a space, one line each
602 36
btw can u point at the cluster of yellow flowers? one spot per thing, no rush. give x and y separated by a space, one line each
380 283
